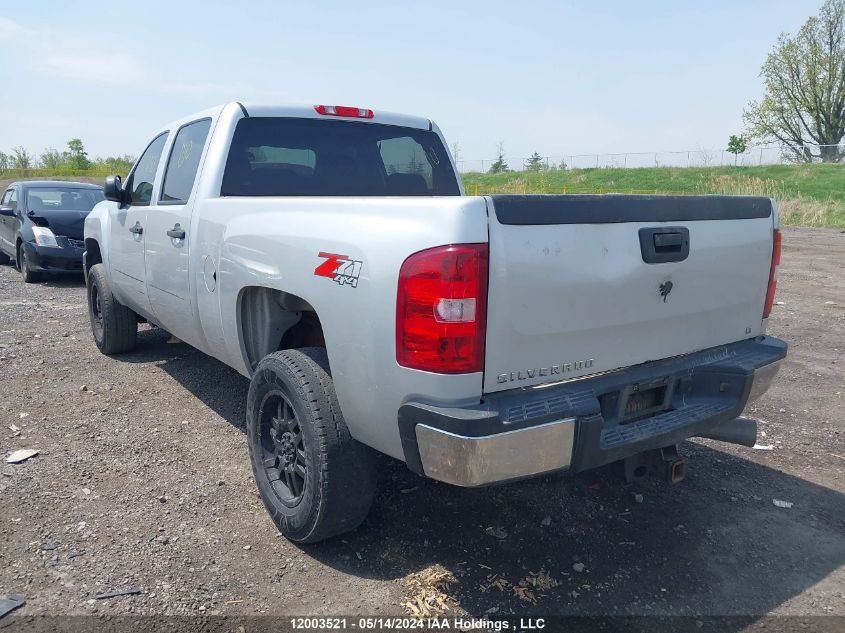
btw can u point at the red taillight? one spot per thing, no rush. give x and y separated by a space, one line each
441 309
347 111
773 274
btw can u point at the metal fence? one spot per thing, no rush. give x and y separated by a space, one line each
760 155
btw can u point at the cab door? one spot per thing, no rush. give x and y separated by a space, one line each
168 239
127 228
7 223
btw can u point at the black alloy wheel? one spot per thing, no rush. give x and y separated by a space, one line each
283 448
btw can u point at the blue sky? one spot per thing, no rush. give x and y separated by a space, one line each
561 77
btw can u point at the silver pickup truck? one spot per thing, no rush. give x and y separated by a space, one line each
328 254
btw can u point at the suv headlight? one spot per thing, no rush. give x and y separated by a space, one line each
44 236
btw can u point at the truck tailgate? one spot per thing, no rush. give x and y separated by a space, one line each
585 284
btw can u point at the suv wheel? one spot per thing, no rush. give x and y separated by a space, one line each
114 326
315 480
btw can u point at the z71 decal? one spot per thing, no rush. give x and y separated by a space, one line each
339 268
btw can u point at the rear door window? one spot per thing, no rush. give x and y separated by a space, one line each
9 199
315 157
184 161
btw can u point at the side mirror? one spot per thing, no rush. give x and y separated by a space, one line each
9 212
113 189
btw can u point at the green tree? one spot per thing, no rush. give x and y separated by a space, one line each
115 164
51 159
77 157
4 162
535 163
21 158
804 77
737 145
499 166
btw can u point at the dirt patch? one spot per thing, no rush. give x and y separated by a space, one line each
143 482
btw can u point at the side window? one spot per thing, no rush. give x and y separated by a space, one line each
184 161
10 199
141 181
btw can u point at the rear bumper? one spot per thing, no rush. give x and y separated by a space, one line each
66 258
582 424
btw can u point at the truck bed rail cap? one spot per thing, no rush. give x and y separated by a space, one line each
616 208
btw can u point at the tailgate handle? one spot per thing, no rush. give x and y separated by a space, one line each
664 244
668 241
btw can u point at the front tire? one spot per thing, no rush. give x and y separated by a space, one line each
4 259
29 276
114 326
315 480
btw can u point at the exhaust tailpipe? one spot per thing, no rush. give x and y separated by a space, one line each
742 431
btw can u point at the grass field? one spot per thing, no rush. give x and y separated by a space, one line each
808 195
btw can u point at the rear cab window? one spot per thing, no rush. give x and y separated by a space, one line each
315 157
183 162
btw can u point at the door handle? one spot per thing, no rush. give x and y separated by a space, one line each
137 229
177 232
661 245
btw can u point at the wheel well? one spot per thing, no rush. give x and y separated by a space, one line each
92 254
272 320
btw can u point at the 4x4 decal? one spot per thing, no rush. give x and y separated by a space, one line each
339 268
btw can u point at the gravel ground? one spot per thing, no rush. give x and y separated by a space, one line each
143 482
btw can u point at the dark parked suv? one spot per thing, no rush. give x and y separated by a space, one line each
42 223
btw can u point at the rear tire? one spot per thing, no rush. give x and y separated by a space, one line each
315 480
4 259
114 326
29 276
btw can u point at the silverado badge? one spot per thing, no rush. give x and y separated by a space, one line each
552 370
